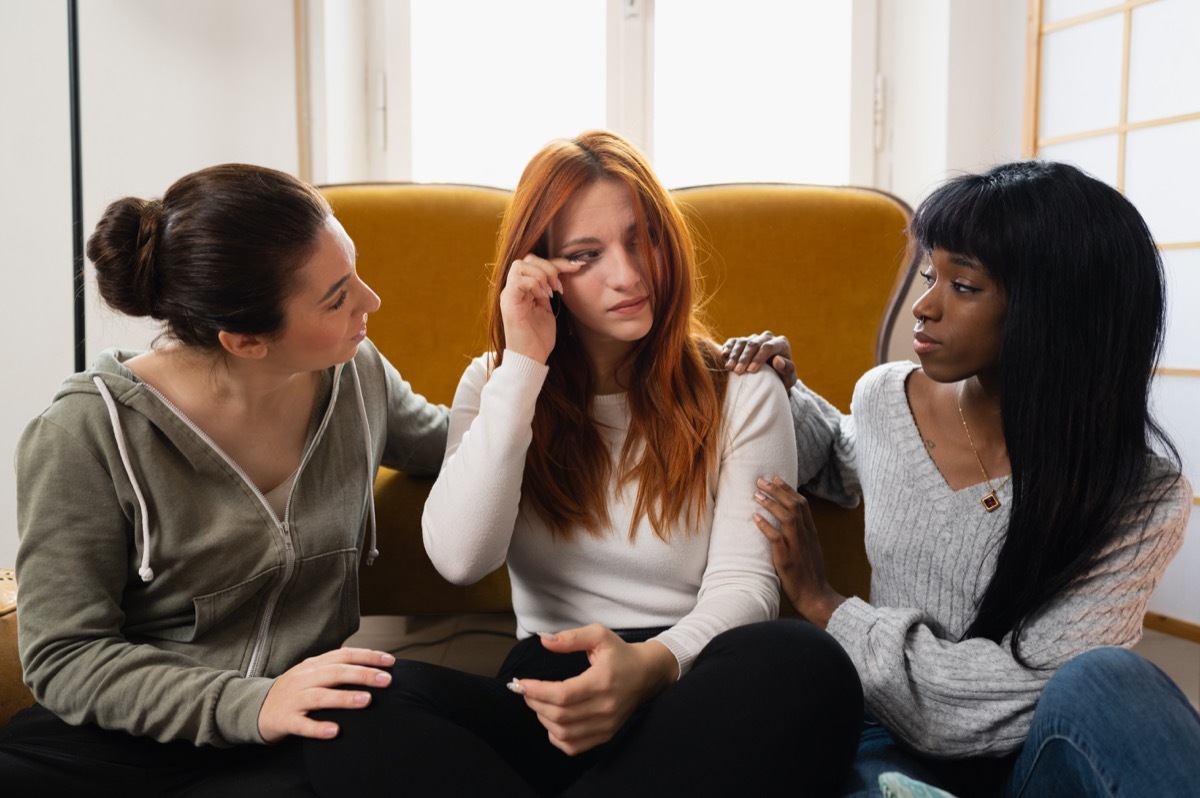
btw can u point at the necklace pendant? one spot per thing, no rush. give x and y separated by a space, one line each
990 502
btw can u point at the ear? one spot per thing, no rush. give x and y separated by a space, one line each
251 347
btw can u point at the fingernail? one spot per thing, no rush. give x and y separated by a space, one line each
548 636
383 678
516 687
387 659
362 698
763 482
758 494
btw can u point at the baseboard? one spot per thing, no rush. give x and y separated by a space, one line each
1173 626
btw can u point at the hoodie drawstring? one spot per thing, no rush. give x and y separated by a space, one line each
145 571
373 552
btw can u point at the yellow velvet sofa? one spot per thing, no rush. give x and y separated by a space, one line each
828 266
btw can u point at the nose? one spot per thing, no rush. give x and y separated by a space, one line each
927 305
626 270
370 300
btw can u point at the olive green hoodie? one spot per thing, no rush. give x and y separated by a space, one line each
160 594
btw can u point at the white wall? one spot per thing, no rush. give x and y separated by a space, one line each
951 108
35 228
167 87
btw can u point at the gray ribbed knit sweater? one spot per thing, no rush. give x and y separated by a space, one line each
932 552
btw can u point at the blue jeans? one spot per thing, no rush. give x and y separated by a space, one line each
1108 723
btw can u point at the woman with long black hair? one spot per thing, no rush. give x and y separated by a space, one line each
1021 503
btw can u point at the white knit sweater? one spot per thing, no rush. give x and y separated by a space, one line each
932 553
699 584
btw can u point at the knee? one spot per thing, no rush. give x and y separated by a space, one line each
797 654
1108 662
1101 673
782 642
1109 686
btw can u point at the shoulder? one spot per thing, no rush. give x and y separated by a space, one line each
883 386
1154 517
79 401
79 417
762 388
756 401
886 377
1165 494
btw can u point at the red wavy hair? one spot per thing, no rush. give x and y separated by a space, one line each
677 377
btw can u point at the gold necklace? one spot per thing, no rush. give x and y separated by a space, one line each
990 500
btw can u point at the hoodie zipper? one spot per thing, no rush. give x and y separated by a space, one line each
283 527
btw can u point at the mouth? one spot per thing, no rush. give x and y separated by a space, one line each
629 305
922 343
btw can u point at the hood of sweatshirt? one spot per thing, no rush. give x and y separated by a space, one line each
123 392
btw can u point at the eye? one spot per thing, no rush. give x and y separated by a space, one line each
583 257
963 288
341 300
929 277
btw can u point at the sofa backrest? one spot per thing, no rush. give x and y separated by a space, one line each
824 265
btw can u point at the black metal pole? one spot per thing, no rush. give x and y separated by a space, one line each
76 183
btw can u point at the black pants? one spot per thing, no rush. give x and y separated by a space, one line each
41 755
765 706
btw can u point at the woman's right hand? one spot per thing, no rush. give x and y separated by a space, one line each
747 354
314 684
529 325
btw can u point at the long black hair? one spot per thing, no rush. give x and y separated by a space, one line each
1086 311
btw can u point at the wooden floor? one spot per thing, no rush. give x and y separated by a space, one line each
1179 658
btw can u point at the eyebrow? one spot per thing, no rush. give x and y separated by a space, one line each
333 289
961 259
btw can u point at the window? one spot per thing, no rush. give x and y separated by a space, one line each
760 95
492 82
1114 95
467 90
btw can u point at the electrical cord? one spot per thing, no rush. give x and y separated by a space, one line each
448 638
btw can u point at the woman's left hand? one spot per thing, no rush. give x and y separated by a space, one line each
796 551
587 710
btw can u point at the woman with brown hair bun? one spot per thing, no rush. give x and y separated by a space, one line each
192 516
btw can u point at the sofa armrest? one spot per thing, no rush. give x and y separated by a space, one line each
14 695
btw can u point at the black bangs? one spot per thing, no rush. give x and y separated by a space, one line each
962 216
987 216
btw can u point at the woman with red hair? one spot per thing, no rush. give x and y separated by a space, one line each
603 453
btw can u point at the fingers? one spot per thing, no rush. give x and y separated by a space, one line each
345 666
786 369
578 713
318 683
787 507
298 722
581 638
742 354
781 500
796 551
539 276
749 354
